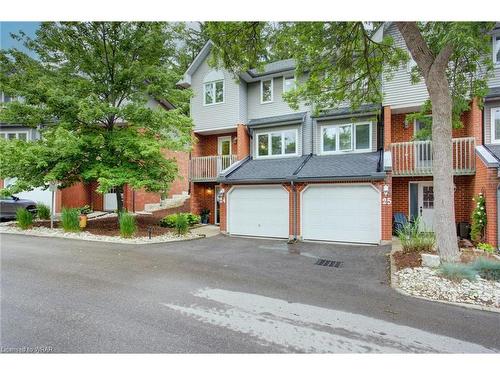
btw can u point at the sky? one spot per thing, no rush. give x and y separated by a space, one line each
13 27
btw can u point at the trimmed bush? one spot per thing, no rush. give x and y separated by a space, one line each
43 211
70 219
487 268
478 218
181 224
171 220
24 218
457 271
85 210
414 239
486 247
128 226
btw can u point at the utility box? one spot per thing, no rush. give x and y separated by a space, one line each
463 230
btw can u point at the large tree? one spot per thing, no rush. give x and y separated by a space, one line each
344 62
95 87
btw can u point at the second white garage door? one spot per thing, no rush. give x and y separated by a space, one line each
258 211
344 213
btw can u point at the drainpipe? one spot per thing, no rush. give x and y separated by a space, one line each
294 212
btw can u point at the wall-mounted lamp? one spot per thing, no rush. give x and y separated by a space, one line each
385 189
406 124
209 190
220 196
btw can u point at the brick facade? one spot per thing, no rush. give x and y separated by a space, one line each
203 196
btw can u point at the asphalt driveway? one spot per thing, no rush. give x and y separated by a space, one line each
220 294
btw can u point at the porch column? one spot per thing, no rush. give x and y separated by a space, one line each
222 209
243 142
386 209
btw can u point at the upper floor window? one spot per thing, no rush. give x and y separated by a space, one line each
495 125
213 92
266 91
288 83
4 98
23 136
496 49
279 143
346 137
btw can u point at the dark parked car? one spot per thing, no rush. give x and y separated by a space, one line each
10 204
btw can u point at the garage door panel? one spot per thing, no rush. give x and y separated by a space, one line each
258 211
348 213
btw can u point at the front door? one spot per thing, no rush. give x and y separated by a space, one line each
224 153
426 204
110 203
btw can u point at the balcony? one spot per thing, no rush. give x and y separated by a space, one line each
415 158
207 168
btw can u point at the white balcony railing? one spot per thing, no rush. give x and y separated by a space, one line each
415 158
207 168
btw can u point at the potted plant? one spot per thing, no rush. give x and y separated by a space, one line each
84 211
205 214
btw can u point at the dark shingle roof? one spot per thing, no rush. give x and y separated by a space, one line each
342 166
347 111
293 117
494 150
309 168
274 67
265 169
493 92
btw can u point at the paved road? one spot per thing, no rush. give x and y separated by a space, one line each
219 295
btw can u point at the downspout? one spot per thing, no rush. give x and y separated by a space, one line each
294 213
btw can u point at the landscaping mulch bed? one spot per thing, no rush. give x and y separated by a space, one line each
108 226
406 259
470 255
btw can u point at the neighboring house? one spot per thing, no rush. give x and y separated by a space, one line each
475 169
81 194
279 172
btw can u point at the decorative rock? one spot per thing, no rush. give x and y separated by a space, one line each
430 260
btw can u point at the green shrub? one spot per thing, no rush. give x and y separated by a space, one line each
43 211
171 220
181 224
24 218
487 268
486 247
414 239
193 219
85 210
457 271
128 226
70 219
478 218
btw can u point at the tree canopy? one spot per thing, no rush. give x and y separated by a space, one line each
96 88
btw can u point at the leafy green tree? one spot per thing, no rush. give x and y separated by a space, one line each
91 86
344 62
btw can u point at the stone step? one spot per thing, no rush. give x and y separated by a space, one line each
177 200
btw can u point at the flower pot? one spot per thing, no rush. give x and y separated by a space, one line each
83 221
204 219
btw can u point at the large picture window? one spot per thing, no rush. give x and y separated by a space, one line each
495 125
278 143
496 49
346 137
213 92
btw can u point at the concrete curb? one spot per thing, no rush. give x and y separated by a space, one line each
133 242
396 246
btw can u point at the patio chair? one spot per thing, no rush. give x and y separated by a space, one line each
399 220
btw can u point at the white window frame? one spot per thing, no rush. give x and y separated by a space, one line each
269 144
409 66
496 46
353 148
213 86
4 134
492 125
262 92
289 77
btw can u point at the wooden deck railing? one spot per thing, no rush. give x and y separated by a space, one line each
207 168
415 158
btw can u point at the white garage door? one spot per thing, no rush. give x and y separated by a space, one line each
258 211
344 213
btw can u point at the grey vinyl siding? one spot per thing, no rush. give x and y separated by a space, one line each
494 81
277 107
243 103
487 119
222 115
318 123
307 135
277 129
397 87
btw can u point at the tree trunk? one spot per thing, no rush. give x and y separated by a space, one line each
433 69
119 200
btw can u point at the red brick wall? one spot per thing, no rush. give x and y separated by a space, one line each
243 142
181 183
387 128
206 145
203 196
77 195
486 182
463 195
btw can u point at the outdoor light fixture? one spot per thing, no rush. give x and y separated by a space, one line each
386 190
220 196
209 190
